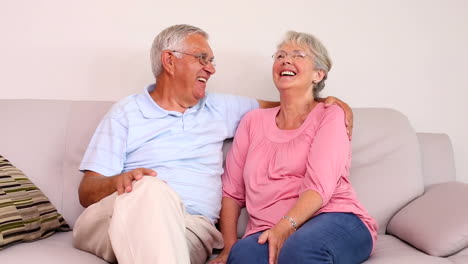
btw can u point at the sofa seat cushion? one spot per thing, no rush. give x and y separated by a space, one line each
461 257
26 214
436 222
391 250
56 249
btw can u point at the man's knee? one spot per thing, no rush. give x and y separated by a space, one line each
149 187
149 182
153 194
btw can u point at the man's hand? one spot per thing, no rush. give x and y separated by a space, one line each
222 257
276 236
95 186
330 100
123 182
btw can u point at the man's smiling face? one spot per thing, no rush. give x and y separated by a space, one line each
191 74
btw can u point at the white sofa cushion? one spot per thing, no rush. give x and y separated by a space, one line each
83 119
391 250
436 222
57 249
35 139
437 158
386 166
460 258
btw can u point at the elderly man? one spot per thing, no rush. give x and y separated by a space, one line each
151 181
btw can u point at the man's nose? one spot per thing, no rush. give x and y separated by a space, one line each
210 68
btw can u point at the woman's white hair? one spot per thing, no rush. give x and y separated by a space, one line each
171 38
320 54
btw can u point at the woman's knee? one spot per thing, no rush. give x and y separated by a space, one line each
298 251
248 250
329 238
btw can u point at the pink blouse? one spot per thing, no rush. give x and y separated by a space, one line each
268 168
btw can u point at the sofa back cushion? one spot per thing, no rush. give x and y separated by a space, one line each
386 166
32 137
438 162
47 139
83 119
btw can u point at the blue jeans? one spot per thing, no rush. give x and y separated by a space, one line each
325 238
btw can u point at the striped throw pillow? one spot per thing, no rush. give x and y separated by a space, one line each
26 214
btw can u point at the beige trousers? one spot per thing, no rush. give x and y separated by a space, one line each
147 225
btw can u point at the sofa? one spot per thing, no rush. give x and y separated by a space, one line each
406 180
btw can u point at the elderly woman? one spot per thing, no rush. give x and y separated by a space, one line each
289 166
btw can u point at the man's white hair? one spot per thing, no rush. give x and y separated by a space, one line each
171 38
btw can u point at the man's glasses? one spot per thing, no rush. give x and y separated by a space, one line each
295 55
203 58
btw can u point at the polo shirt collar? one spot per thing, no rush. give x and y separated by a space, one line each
150 109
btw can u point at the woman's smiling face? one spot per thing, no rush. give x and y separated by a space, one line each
294 67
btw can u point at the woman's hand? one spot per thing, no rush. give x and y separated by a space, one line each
276 237
222 257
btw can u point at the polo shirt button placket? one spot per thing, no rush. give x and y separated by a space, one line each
183 122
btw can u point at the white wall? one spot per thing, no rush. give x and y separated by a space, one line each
408 55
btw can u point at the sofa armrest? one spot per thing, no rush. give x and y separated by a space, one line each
436 222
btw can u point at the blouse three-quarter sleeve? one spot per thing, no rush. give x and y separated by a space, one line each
233 181
329 155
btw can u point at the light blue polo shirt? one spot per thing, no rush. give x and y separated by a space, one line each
184 148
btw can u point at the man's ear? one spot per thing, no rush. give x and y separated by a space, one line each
168 61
